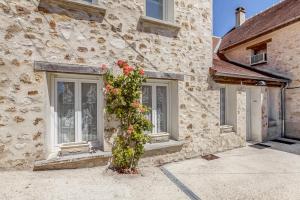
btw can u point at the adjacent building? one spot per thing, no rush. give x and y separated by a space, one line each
261 55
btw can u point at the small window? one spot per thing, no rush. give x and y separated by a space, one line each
160 9
259 54
222 106
155 96
76 110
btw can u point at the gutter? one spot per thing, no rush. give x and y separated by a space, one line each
249 77
261 71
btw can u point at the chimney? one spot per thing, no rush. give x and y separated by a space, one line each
240 14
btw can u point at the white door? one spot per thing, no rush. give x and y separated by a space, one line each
248 115
254 114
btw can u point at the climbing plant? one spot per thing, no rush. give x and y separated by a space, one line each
123 94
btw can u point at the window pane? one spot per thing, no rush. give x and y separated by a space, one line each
66 112
222 106
162 108
89 111
154 8
147 100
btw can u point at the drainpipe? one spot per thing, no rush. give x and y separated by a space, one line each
283 113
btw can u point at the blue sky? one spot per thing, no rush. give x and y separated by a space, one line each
224 12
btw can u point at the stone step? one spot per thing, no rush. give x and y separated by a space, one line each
100 158
228 133
83 160
272 123
226 129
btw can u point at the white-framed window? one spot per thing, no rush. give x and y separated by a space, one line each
160 9
259 54
156 97
77 110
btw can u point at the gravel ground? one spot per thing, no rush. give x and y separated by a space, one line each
87 184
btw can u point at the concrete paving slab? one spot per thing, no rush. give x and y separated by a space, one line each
87 184
245 173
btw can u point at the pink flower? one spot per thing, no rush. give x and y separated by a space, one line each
142 110
103 67
115 91
127 69
121 63
108 88
135 104
130 129
142 72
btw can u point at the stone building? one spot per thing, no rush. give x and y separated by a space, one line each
262 54
51 83
52 106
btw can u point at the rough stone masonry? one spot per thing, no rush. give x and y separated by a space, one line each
29 34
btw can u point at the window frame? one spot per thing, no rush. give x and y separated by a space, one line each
78 80
93 1
154 84
223 117
168 11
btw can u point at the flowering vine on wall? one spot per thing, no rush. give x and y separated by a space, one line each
123 94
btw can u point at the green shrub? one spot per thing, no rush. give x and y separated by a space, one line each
123 94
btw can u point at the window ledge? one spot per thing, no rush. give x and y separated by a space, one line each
145 20
224 129
76 5
100 158
163 146
75 161
260 63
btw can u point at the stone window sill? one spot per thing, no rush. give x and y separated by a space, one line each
77 5
148 21
100 158
163 145
225 129
163 148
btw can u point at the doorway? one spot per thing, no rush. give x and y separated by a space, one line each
253 114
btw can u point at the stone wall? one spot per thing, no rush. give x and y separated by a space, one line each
63 36
283 58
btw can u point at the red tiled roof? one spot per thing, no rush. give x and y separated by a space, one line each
226 68
276 17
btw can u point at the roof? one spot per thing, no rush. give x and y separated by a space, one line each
222 67
228 69
276 17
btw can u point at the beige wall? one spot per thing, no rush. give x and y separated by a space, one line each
30 35
283 58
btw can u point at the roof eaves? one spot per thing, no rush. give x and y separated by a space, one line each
263 72
232 75
282 25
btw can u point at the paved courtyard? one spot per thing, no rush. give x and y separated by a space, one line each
246 173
